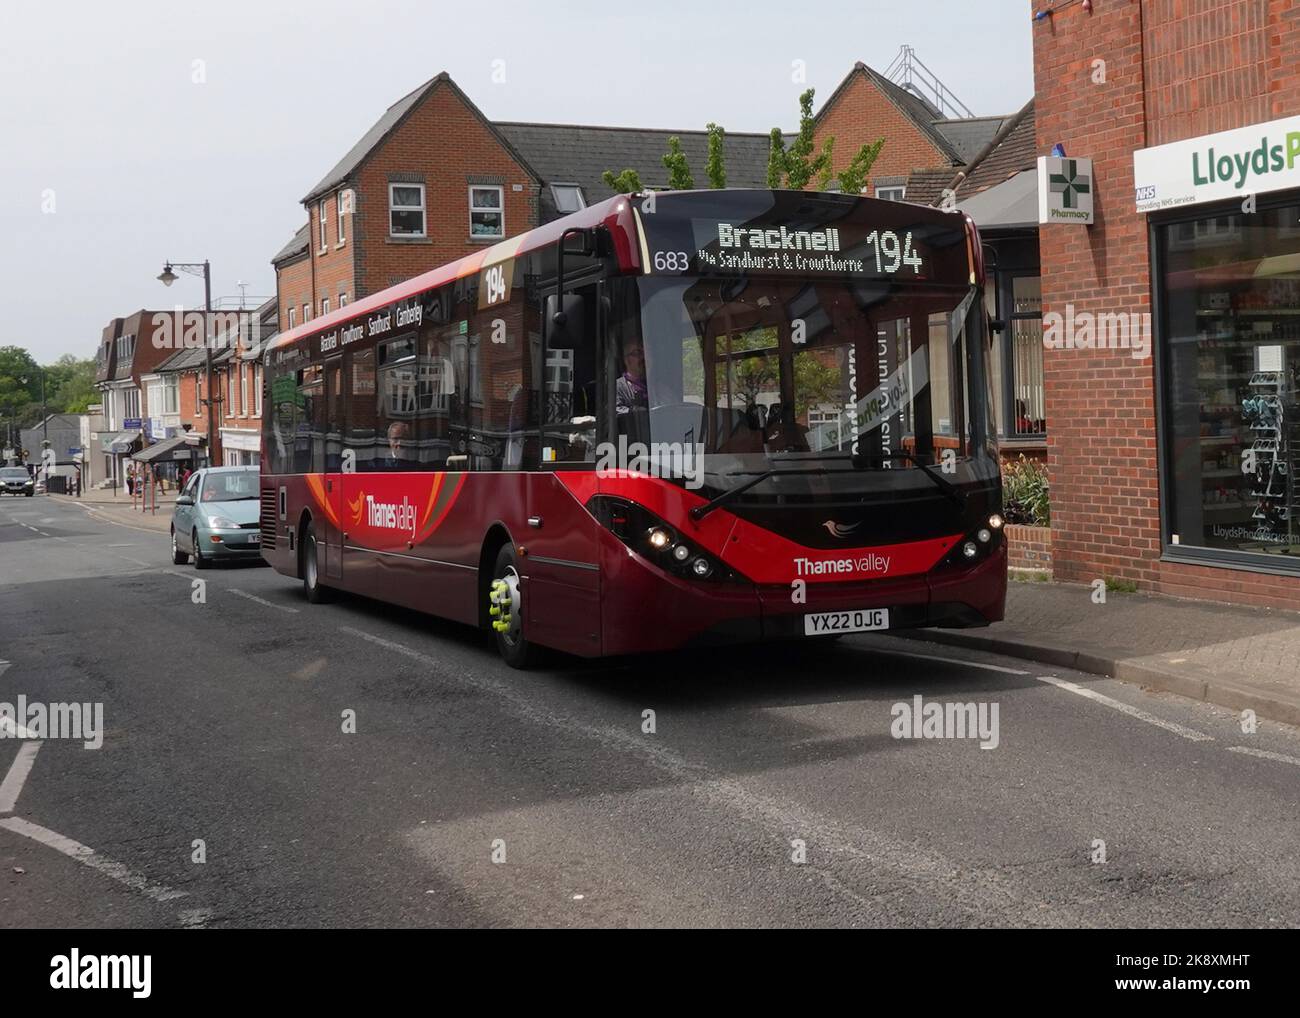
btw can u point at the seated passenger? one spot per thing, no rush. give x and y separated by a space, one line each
630 391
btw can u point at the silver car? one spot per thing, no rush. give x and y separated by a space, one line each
216 517
16 481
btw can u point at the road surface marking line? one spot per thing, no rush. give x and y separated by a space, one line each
260 600
958 661
1124 708
15 730
17 776
89 857
1265 754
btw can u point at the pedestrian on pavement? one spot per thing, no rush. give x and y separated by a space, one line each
130 481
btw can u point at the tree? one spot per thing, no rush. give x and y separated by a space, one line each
679 173
20 386
70 385
775 158
716 166
799 165
627 182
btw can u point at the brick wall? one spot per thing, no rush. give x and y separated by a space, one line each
1173 70
860 114
332 265
293 289
1029 547
444 145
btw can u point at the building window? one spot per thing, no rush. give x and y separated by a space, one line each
338 211
343 300
321 220
306 312
230 391
487 216
891 193
243 390
568 197
1230 352
198 395
171 395
1018 372
324 305
406 210
257 387
293 312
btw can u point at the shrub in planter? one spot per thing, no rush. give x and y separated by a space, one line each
1024 493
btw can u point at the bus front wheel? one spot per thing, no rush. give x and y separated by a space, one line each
506 611
317 592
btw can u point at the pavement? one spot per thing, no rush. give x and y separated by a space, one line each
1239 657
266 762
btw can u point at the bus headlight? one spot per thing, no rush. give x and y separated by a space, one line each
984 535
996 521
658 541
970 549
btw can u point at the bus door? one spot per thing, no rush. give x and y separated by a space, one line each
563 599
333 536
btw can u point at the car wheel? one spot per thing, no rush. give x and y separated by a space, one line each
29 494
179 558
506 611
317 592
200 561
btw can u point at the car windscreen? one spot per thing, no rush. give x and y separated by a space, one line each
13 474
230 487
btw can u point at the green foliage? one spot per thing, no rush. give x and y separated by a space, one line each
1121 586
775 158
715 167
626 182
798 166
679 173
853 178
801 165
69 387
1025 493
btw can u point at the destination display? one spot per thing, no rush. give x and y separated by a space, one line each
790 234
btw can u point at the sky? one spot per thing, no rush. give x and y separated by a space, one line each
134 132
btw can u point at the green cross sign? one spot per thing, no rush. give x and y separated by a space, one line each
1070 183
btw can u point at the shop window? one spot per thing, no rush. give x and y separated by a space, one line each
1230 348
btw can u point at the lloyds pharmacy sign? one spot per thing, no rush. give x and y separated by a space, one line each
1065 188
1231 164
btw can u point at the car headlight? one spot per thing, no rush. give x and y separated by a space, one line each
222 523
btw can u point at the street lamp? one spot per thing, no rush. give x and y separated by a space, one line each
167 277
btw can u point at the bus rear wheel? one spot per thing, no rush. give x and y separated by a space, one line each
317 592
506 611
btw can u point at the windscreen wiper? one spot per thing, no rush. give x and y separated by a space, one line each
700 511
948 488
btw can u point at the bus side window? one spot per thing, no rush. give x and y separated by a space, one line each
361 441
309 421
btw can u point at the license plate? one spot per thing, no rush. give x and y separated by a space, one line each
861 621
253 538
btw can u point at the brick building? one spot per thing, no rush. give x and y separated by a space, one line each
130 350
1177 470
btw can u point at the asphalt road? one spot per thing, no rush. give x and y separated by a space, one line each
224 723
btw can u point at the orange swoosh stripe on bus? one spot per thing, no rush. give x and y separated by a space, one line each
316 483
433 494
446 499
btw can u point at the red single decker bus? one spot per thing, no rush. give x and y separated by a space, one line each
667 419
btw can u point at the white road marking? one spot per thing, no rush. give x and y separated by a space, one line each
18 771
13 730
1265 754
260 600
89 857
957 661
1124 708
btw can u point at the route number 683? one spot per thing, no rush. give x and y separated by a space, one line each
671 261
